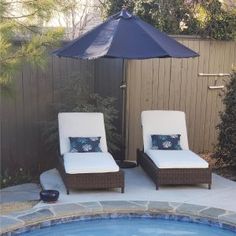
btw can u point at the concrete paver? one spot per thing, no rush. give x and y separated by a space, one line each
20 193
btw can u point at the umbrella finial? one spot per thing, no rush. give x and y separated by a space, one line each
124 7
124 13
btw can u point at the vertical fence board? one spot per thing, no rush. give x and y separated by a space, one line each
203 68
184 80
156 84
161 85
134 92
211 96
194 85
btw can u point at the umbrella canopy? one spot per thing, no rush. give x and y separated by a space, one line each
125 36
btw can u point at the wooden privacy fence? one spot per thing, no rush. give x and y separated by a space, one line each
174 84
151 84
21 117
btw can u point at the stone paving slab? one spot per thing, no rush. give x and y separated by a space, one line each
175 204
36 216
142 203
160 207
20 193
53 213
189 209
212 213
69 209
21 213
7 223
8 207
228 218
91 206
122 206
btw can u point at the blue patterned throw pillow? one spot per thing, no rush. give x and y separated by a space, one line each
85 144
166 142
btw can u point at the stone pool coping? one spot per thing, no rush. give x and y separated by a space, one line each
51 214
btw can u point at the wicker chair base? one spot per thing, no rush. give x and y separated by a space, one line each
92 180
173 176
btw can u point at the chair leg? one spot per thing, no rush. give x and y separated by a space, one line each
137 156
67 191
209 186
157 187
122 189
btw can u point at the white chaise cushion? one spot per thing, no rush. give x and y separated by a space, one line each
176 159
92 162
80 124
163 123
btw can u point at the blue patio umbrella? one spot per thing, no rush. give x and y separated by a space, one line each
125 36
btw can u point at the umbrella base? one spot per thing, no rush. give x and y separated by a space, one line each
124 164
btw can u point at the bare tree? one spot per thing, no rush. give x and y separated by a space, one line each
77 16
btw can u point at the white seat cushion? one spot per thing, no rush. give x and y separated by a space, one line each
90 162
176 159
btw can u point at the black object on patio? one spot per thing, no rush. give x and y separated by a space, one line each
49 196
125 36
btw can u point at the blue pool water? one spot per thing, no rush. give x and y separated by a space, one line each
131 227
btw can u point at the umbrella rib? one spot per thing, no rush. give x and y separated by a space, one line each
115 32
58 51
108 47
140 25
162 46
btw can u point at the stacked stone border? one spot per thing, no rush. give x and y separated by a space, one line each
40 217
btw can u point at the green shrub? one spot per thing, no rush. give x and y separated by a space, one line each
226 148
214 19
75 96
20 176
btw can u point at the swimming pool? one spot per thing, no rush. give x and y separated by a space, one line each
131 226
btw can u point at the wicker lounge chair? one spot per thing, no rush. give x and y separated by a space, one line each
86 170
170 167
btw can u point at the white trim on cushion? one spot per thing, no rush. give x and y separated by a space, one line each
80 124
165 123
91 162
176 159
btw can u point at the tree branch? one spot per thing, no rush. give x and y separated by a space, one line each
19 17
18 2
28 28
102 3
4 60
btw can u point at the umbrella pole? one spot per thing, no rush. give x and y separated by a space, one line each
124 163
